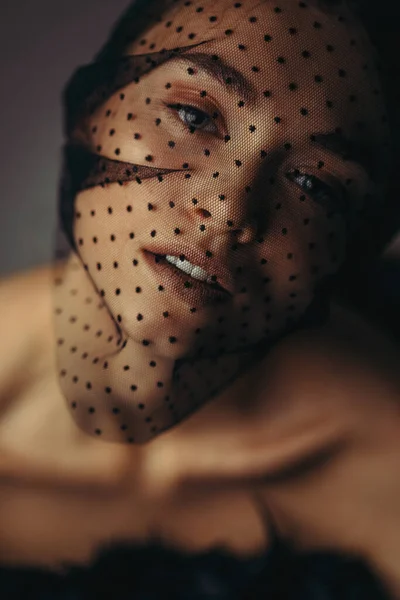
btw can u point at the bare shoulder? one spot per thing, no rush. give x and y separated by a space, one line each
25 290
25 315
38 440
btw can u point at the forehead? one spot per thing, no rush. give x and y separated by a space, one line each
189 21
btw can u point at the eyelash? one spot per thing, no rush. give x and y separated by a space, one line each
334 197
181 108
338 198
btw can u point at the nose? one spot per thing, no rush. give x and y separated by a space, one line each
231 210
245 234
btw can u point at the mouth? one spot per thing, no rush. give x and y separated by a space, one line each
183 283
198 263
162 258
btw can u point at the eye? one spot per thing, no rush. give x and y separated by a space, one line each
320 191
194 118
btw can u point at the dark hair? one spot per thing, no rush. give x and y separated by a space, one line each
381 222
131 24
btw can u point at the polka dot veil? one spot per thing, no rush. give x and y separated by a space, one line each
215 170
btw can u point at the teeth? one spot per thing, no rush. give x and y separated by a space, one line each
192 270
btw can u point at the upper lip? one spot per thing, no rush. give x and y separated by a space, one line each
196 256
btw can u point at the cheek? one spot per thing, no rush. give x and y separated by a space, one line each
303 246
106 228
122 129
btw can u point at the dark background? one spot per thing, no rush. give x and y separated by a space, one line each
41 43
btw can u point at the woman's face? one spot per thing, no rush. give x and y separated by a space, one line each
273 125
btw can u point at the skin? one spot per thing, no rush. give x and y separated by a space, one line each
322 403
333 398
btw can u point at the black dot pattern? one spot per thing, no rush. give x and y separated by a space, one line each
214 172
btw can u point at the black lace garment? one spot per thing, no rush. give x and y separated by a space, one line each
155 572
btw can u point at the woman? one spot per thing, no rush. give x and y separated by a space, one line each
236 141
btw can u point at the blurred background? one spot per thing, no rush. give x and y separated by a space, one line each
41 43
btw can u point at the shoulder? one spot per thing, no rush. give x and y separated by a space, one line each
24 292
35 428
25 320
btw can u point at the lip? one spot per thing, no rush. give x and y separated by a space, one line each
199 292
197 257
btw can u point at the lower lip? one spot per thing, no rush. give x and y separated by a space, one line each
200 292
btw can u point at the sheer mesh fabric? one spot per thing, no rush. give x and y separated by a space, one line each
216 171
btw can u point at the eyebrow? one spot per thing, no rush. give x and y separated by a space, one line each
349 150
231 78
334 141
